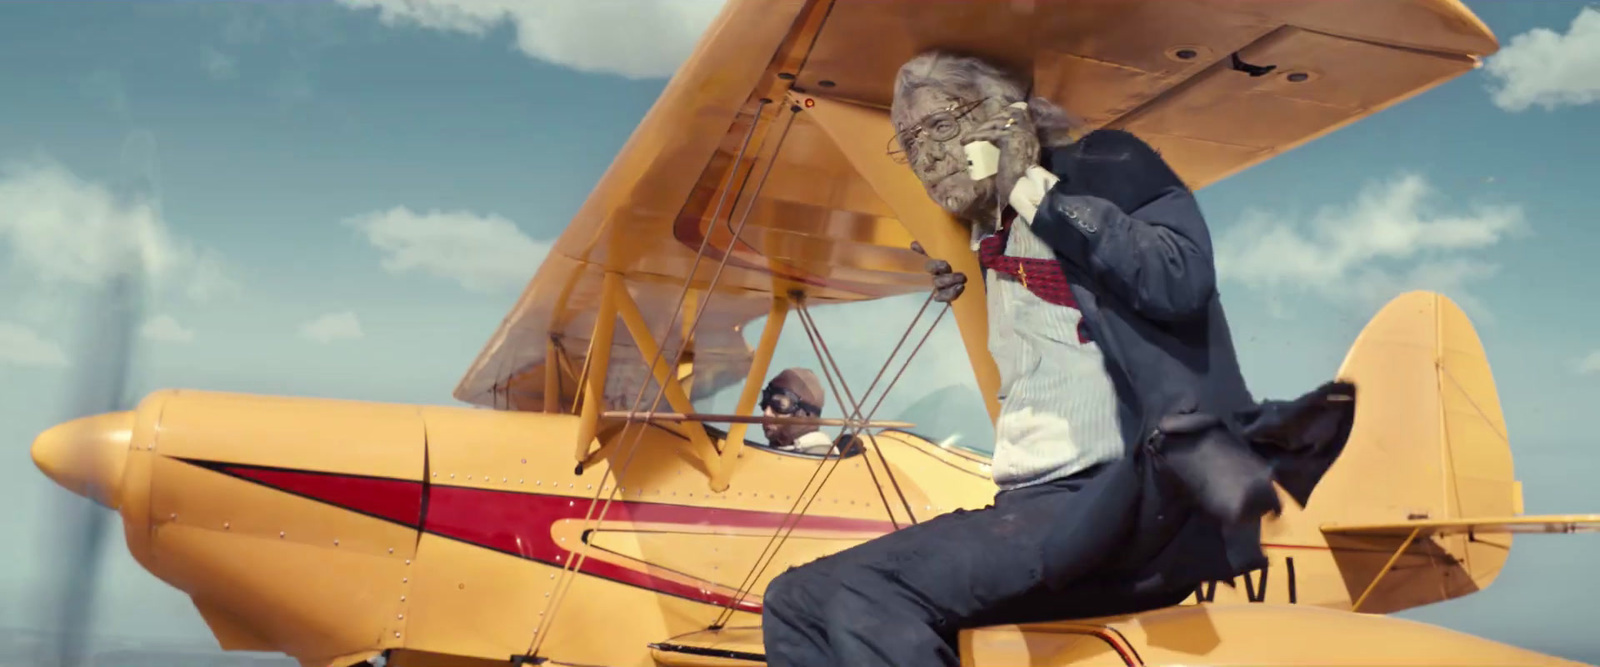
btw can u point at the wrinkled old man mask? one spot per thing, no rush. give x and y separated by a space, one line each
931 146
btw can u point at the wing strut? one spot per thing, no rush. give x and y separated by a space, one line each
597 510
860 134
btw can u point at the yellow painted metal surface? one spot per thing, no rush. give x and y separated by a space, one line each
287 520
826 223
283 568
1427 416
1241 636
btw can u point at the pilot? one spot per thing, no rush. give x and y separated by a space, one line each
1131 460
794 393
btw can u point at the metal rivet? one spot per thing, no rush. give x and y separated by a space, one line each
397 635
408 561
590 486
391 549
280 534
399 616
405 580
173 517
435 474
452 475
538 483
524 460
469 478
225 525
461 586
336 542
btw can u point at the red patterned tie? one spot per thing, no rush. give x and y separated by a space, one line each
1043 277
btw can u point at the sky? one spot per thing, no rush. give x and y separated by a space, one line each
344 198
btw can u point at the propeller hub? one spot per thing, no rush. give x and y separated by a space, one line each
87 455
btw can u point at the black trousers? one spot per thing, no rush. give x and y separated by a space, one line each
1040 553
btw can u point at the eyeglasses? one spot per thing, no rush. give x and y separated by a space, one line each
784 402
941 125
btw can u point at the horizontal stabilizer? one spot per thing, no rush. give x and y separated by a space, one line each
1548 523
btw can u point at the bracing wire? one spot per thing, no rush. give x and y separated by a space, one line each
856 407
807 495
573 565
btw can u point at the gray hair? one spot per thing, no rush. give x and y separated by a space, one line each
973 78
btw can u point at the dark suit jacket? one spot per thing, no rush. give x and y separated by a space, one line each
1137 249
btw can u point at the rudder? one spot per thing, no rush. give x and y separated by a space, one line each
1429 444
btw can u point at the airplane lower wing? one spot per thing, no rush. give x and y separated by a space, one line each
1547 523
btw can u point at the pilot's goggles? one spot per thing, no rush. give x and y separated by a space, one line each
784 402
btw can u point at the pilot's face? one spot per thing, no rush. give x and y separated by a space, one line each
932 148
782 435
772 431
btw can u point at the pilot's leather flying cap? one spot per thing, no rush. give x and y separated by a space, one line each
802 383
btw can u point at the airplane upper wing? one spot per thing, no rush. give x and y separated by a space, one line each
1215 85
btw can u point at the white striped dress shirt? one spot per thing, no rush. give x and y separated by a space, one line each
1058 408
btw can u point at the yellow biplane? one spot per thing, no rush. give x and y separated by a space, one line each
592 516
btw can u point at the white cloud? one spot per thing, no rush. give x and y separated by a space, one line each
332 327
22 346
219 65
1543 68
1389 240
165 328
483 253
633 38
1589 365
47 213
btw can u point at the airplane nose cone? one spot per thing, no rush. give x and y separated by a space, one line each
86 456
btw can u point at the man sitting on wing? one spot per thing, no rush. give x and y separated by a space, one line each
1132 462
794 393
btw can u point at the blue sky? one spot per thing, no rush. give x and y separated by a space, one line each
343 199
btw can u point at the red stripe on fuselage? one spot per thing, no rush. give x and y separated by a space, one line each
520 524
396 500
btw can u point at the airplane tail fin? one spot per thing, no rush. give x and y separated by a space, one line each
1427 472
